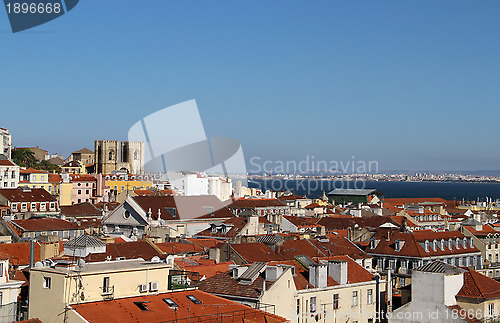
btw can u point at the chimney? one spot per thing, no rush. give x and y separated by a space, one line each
337 269
159 214
273 273
32 253
238 271
318 274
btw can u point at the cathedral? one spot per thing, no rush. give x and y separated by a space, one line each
113 155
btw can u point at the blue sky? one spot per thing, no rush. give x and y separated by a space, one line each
411 84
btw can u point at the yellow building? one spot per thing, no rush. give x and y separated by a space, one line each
53 290
120 183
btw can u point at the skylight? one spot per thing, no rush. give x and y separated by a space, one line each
193 299
142 305
170 302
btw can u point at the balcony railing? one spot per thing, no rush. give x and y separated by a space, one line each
108 293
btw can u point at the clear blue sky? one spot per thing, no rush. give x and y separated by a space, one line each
411 84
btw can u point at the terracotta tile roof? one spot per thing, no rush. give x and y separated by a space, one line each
225 284
301 222
211 308
235 224
19 253
355 272
254 203
479 286
82 178
291 197
83 209
255 252
32 171
55 178
412 244
44 224
204 243
6 162
345 222
291 248
128 250
110 205
173 248
31 195
187 207
205 270
314 205
339 247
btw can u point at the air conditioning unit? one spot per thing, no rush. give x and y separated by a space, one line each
143 288
153 286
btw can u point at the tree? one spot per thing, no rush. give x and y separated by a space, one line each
24 157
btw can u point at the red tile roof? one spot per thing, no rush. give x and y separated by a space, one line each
254 203
187 207
255 252
31 195
204 243
32 171
128 250
212 308
412 244
6 162
44 224
479 286
83 209
19 253
173 248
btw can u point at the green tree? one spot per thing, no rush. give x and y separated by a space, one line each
24 157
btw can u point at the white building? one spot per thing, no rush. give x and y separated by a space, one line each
433 291
9 174
5 143
9 291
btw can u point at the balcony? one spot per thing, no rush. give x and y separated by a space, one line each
107 293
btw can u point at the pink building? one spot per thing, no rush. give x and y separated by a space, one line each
83 188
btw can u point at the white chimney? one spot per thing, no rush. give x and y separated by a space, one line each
273 272
318 274
337 269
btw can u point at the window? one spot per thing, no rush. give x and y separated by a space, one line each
491 309
369 296
105 284
142 305
1 270
335 301
355 298
298 306
87 191
47 282
170 302
52 205
313 304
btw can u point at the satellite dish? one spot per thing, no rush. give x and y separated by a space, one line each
38 264
80 263
155 259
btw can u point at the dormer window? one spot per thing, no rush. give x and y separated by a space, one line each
458 243
372 244
471 242
427 245
434 245
450 244
442 244
465 243
398 244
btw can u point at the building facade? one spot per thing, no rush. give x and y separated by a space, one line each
113 155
